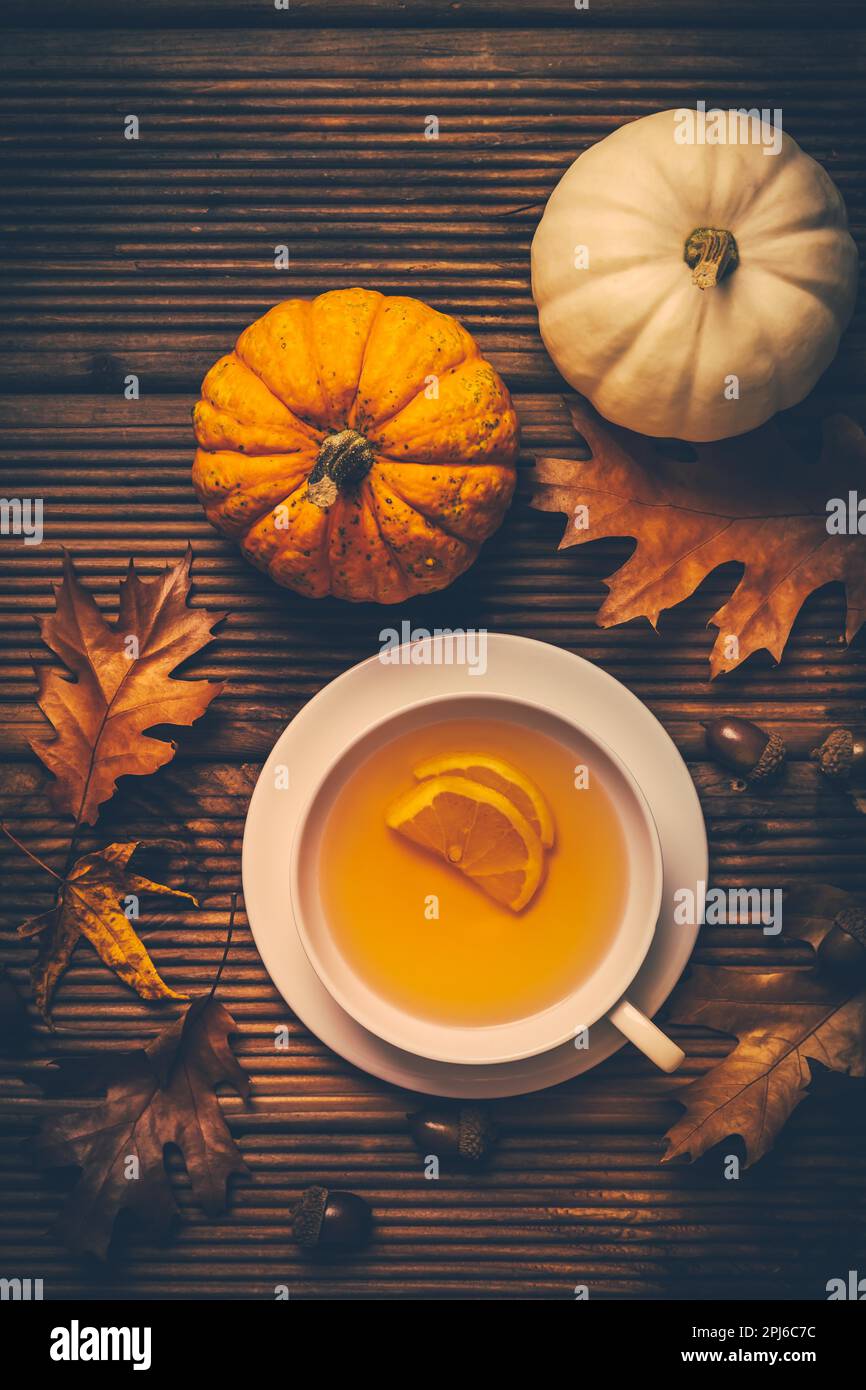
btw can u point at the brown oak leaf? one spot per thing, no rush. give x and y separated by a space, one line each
784 1021
161 1094
752 499
122 683
89 905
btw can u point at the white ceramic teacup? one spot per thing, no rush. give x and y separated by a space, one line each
603 994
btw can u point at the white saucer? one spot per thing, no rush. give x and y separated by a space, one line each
525 669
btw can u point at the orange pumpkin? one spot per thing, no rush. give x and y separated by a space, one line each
356 445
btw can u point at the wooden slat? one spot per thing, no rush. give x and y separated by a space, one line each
308 143
772 14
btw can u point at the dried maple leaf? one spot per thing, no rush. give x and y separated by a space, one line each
752 499
162 1094
784 1020
122 683
89 905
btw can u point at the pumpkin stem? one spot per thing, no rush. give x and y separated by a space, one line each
711 253
343 460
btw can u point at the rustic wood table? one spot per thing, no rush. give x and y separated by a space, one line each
306 127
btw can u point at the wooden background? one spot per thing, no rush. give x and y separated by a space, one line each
306 128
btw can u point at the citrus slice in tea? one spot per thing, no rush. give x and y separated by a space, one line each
502 777
477 830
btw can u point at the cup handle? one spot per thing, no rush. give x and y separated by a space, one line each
649 1039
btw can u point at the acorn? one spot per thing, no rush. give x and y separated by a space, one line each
745 748
332 1221
465 1133
842 953
842 757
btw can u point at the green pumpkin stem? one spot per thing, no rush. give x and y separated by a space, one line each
711 253
343 460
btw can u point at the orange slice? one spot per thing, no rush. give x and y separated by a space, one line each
476 830
502 777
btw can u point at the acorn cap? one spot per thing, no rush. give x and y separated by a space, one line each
309 1215
770 760
835 756
852 921
476 1133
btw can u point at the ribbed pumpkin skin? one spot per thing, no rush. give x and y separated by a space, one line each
443 469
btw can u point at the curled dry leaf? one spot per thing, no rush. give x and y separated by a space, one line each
752 499
162 1094
89 905
122 683
784 1020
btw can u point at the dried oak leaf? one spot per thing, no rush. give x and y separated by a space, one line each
784 1020
162 1094
122 683
89 905
752 499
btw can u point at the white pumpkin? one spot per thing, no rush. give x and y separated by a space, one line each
697 339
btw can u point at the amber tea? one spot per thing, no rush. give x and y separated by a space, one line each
474 872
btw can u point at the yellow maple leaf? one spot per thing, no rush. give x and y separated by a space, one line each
89 905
